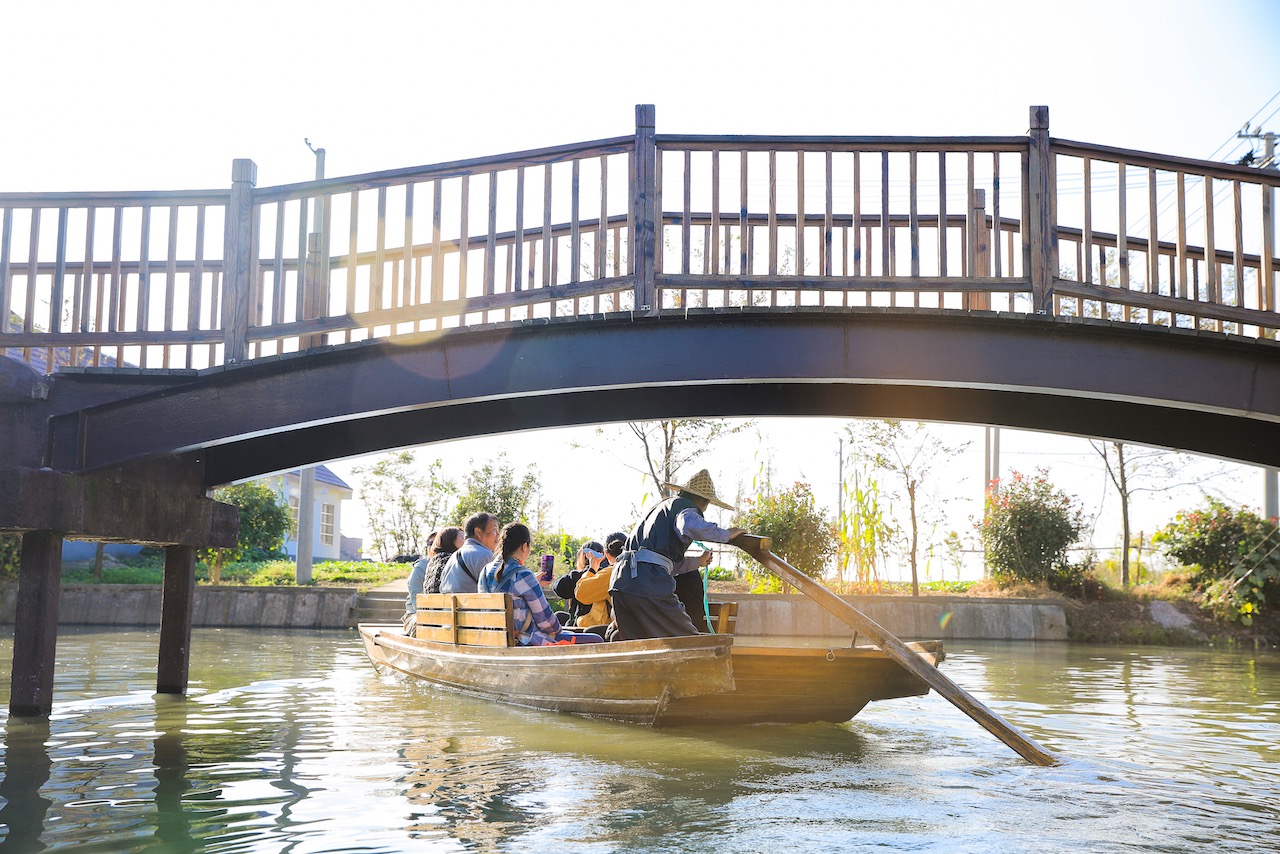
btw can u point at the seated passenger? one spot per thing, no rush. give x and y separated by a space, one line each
448 541
591 554
418 574
535 624
593 588
463 570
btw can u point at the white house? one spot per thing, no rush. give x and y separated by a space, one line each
331 491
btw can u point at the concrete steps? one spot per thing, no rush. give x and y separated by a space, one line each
377 606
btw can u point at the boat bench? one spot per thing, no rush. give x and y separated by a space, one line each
724 617
486 619
466 619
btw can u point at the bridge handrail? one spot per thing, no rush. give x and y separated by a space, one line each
758 142
451 169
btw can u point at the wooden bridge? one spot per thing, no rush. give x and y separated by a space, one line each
163 342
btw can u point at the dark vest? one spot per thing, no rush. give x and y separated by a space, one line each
657 531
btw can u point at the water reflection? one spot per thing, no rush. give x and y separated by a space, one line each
27 768
291 742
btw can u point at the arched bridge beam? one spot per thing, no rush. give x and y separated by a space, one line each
1201 392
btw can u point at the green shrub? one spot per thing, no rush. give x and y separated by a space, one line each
10 556
1212 539
1233 553
798 527
1028 528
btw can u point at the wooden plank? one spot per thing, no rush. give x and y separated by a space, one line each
490 247
409 278
6 247
80 322
352 243
548 272
1181 281
744 263
518 240
1239 242
773 218
441 171
602 232
33 257
56 295
437 255
575 228
1266 278
799 219
908 658
871 144
277 266
464 238
913 227
1153 236
942 212
886 265
857 216
1086 275
713 246
828 212
686 205
1122 227
463 636
170 276
995 215
1210 254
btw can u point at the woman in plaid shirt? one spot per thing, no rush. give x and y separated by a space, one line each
536 624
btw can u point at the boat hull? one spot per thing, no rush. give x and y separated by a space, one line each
665 682
631 680
801 685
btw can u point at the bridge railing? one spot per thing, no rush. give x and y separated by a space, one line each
783 221
109 279
641 223
533 234
1148 238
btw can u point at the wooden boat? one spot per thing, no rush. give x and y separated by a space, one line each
666 681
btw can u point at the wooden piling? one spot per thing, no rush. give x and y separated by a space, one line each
176 608
35 632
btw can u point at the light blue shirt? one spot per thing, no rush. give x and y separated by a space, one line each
472 556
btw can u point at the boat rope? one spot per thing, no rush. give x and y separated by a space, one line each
706 582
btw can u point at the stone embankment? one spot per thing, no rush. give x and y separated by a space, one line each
926 617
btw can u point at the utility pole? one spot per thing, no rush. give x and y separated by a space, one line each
990 479
1270 476
307 474
843 555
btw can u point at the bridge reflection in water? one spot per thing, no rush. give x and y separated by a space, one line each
185 339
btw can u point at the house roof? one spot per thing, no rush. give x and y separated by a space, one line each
323 475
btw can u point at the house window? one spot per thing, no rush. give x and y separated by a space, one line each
326 524
293 516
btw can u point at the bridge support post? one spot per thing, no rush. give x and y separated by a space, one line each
35 632
978 261
177 603
1040 212
238 281
644 212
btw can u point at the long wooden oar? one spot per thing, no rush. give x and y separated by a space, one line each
760 549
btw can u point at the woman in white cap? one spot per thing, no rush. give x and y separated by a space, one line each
644 592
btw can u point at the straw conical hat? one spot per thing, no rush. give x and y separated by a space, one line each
700 484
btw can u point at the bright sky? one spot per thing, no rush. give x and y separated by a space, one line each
163 95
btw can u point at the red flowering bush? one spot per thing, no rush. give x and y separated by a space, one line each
1234 553
1212 539
1028 528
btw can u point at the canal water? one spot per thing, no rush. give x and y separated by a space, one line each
289 741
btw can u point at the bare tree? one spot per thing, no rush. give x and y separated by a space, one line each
671 445
911 453
1133 470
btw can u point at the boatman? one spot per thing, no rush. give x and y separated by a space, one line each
643 589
